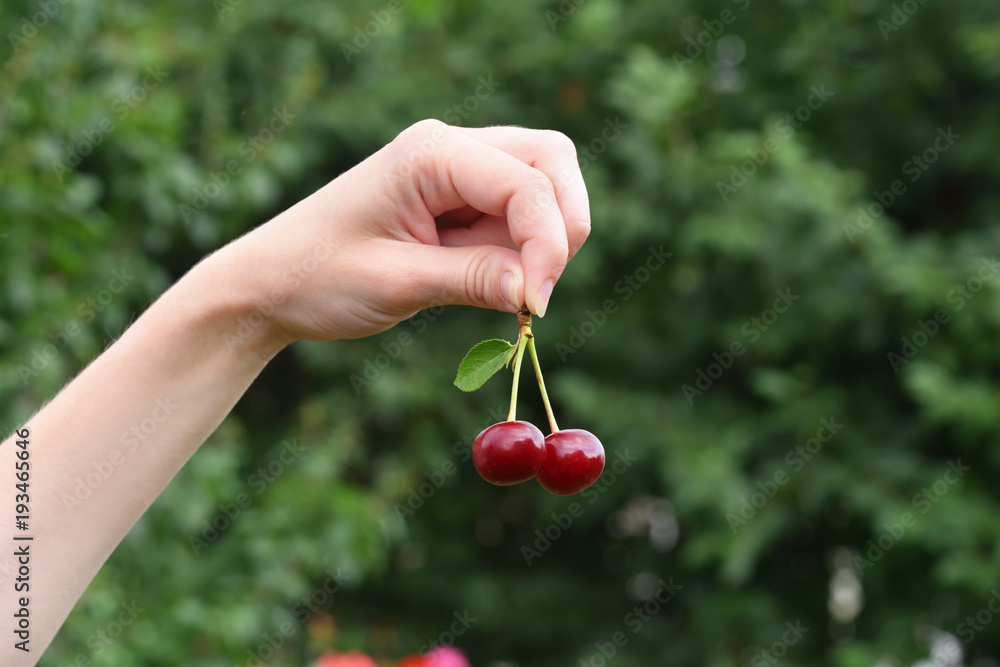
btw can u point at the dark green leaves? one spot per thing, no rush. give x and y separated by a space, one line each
482 361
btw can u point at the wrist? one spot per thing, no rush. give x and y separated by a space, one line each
232 299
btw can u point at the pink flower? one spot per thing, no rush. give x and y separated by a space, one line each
352 659
446 656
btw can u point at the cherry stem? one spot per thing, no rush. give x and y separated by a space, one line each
511 414
541 382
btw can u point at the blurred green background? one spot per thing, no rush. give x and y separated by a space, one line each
824 181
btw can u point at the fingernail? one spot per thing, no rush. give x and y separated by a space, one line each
508 290
543 297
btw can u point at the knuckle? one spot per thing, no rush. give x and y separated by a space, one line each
560 250
426 126
561 143
541 204
414 147
420 132
538 188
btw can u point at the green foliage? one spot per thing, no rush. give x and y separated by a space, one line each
743 291
482 362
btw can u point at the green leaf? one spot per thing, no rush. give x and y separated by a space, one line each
482 361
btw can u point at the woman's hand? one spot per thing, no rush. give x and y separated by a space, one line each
435 217
432 218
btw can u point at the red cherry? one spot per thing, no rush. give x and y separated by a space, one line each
509 452
574 459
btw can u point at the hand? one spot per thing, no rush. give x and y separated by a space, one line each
433 218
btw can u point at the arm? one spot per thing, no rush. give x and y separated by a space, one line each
433 217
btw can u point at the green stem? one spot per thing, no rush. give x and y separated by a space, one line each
517 374
541 383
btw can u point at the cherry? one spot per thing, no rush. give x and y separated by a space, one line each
509 452
574 459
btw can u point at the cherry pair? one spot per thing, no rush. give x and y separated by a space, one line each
565 462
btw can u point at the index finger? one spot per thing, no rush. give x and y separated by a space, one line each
554 154
465 171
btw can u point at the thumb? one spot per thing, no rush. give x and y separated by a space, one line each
483 276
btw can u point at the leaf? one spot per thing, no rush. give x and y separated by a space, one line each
482 361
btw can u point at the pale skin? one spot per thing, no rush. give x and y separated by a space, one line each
442 215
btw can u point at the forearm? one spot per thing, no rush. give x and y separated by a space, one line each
110 442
